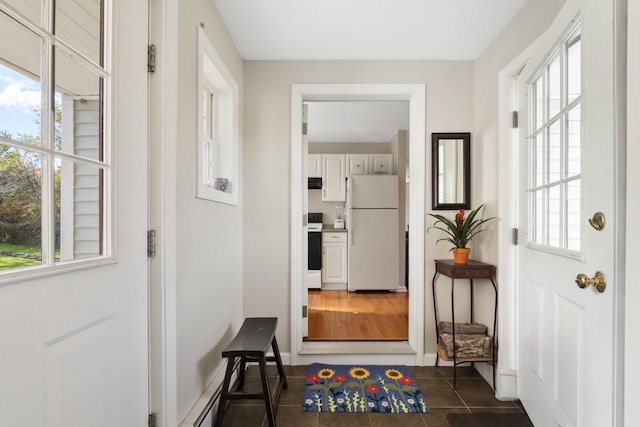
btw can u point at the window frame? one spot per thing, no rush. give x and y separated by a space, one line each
535 129
51 43
214 78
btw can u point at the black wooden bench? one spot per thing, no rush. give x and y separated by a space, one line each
251 344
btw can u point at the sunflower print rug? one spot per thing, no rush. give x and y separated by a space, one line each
362 388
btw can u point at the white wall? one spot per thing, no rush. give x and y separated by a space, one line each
534 18
209 234
449 89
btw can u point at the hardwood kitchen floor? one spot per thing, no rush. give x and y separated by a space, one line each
361 315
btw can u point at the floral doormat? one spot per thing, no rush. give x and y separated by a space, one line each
362 388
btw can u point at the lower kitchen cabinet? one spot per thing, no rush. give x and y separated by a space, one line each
334 258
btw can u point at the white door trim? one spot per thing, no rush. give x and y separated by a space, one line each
506 377
412 351
163 113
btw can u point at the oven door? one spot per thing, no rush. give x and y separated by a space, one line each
315 250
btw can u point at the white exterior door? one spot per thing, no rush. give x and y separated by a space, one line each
567 334
74 343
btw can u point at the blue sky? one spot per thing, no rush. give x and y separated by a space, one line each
19 95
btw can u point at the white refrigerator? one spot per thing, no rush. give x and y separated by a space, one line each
373 232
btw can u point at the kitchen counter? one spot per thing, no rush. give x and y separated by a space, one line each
330 228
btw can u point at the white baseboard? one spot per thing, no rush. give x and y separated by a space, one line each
207 403
204 409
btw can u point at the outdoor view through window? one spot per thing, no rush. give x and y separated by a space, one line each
53 170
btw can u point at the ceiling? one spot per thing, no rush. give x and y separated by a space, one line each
364 29
356 121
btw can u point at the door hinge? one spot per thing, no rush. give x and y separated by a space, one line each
304 311
514 119
151 58
151 243
514 236
152 420
304 128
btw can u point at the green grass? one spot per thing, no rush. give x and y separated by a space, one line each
20 249
10 262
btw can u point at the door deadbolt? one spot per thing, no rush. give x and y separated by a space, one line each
598 221
598 281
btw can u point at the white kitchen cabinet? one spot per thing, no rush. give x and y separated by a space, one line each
314 168
357 164
334 257
334 186
381 164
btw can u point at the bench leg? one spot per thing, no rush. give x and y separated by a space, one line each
225 391
276 355
243 365
266 391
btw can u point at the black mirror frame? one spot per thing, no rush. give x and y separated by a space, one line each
466 141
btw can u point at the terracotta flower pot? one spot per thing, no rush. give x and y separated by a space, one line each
461 255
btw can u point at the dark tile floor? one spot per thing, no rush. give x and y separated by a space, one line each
473 394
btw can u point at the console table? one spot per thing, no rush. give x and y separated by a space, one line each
472 270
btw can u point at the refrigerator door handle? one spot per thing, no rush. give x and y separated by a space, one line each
350 226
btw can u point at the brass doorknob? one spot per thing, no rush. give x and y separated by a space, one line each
598 281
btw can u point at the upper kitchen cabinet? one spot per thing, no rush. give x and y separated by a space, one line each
381 164
334 187
314 168
357 164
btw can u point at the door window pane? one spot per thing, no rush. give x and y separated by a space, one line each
20 87
574 69
554 152
538 99
80 96
554 100
78 210
20 208
573 215
79 24
30 9
574 155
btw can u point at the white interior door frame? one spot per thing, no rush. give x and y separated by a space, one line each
163 99
408 352
506 378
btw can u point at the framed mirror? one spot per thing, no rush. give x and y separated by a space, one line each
451 171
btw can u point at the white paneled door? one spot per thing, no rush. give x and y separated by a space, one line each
73 343
568 144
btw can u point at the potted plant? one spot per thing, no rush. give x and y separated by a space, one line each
460 231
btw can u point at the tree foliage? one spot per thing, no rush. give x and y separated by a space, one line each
21 187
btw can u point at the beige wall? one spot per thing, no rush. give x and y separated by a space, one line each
267 161
209 234
534 18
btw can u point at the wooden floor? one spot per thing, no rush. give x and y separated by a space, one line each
361 315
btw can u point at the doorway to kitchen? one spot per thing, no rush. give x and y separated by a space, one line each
357 157
409 351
